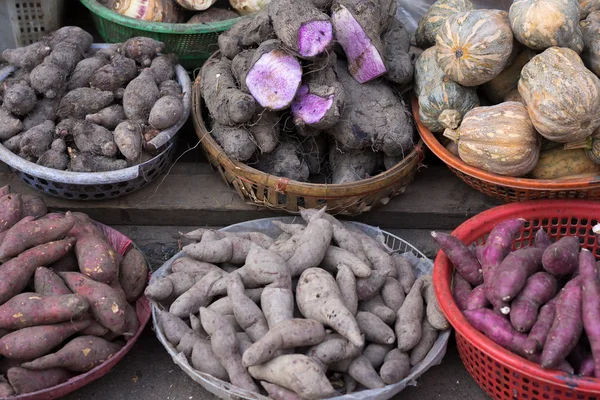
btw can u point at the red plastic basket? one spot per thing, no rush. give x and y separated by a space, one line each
500 373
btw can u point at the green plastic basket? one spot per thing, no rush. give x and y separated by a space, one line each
192 43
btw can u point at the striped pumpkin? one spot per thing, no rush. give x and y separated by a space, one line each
540 24
591 37
499 139
473 47
432 21
442 102
562 95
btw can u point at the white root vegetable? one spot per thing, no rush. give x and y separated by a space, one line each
347 284
247 313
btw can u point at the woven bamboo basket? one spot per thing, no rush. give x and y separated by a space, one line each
265 190
506 188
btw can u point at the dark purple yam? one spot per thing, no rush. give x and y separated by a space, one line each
464 261
511 275
562 257
497 328
539 332
274 76
590 285
542 240
310 108
539 289
461 289
567 326
477 299
365 61
314 38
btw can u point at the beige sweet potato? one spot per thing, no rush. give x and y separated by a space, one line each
319 298
374 329
428 337
140 96
16 273
191 266
83 101
133 274
347 284
21 344
392 293
142 49
28 381
31 309
434 314
277 304
9 124
247 313
225 346
174 328
48 79
197 296
287 334
334 348
79 355
29 233
217 251
166 112
106 305
376 306
312 246
11 208
47 283
371 286
173 285
335 256
363 372
277 392
203 359
295 372
376 353
409 316
186 344
396 367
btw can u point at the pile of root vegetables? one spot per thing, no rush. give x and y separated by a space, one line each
323 309
539 302
65 295
309 90
69 106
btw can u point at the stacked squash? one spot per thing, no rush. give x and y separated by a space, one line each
535 68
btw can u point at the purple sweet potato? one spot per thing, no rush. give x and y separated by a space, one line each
511 275
539 289
464 261
542 240
284 72
79 355
16 273
31 309
590 285
106 304
133 274
539 332
27 381
95 256
29 233
497 328
461 289
562 257
498 246
567 326
36 341
47 283
477 299
11 208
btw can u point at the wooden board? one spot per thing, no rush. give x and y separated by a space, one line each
194 195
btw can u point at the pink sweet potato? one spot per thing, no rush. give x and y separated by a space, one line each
47 283
590 285
461 289
65 264
79 355
539 332
11 208
477 299
27 381
464 261
95 256
512 274
16 273
36 341
31 309
497 328
29 233
539 289
6 390
133 274
33 206
567 326
562 257
106 305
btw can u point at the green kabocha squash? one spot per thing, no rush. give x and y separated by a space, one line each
432 21
473 47
591 37
562 95
508 80
442 102
588 7
499 139
540 24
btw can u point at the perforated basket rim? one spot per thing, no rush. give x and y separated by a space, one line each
476 228
160 27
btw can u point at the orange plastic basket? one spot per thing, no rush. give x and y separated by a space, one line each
506 188
502 374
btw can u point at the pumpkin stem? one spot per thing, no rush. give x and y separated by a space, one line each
580 144
452 134
450 119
